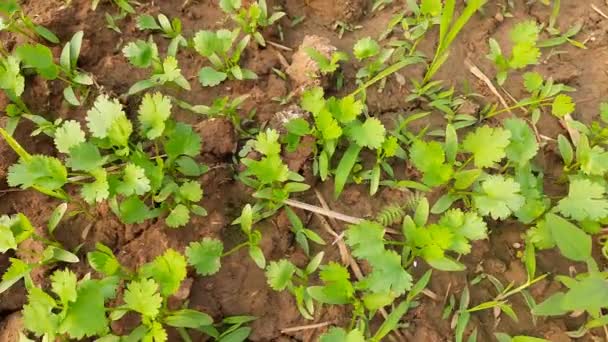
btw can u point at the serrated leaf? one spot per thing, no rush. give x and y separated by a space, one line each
562 105
179 216
370 134
68 135
46 172
101 117
522 146
142 296
278 274
141 53
153 113
365 48
487 145
498 197
585 201
168 271
205 256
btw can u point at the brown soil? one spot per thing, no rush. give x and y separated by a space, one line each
240 287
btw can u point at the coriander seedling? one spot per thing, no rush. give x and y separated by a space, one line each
524 37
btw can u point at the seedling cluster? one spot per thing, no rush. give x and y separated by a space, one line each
131 152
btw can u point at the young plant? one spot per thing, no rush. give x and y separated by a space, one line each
284 275
327 66
524 37
302 234
142 54
16 229
17 22
249 216
220 49
452 233
170 29
543 94
271 178
367 49
38 58
114 164
251 19
334 119
77 308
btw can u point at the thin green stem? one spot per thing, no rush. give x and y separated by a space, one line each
236 248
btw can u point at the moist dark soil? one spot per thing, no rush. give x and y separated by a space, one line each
240 288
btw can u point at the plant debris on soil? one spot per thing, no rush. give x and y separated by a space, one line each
350 170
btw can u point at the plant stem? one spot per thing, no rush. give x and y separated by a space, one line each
236 248
519 105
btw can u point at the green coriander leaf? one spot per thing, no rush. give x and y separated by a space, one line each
142 296
429 158
205 256
182 140
540 235
179 216
312 100
337 289
487 145
585 201
267 143
388 275
133 210
7 239
10 76
86 317
153 113
156 333
525 32
329 127
524 54
103 114
120 130
40 58
63 283
365 48
523 145
562 105
85 157
278 274
366 239
370 134
533 81
498 197
134 181
268 170
97 191
346 109
38 316
191 191
43 171
141 53
168 270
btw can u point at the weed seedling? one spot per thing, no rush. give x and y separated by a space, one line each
170 29
251 19
144 54
18 22
219 48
